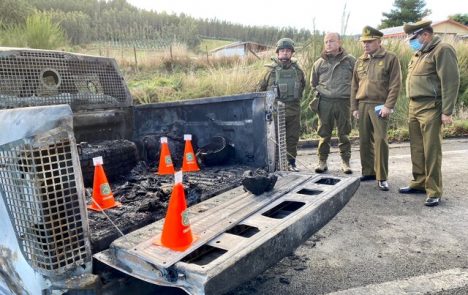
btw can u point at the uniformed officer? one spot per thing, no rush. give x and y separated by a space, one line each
374 92
288 78
432 87
331 84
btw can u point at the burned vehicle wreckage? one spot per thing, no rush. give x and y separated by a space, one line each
60 110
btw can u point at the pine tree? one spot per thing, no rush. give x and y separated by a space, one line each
461 18
404 11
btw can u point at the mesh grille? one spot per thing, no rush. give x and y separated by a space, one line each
36 78
282 161
40 194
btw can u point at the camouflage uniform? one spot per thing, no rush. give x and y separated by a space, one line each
376 81
290 80
331 81
432 86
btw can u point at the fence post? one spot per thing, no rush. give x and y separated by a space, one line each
206 48
136 61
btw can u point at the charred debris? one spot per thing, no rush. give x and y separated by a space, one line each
143 193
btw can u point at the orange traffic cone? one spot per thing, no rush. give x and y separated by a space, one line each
176 234
189 163
165 160
102 195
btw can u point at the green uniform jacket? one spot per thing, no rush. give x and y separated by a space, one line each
270 76
433 72
376 79
331 76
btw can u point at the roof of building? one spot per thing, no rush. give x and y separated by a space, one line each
398 31
237 44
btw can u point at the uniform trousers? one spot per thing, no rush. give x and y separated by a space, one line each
424 121
373 141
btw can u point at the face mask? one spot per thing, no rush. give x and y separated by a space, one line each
415 44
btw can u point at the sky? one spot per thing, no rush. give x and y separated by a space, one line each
323 15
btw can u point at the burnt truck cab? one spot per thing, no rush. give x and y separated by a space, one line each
53 105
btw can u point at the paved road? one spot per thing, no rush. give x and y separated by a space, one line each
383 242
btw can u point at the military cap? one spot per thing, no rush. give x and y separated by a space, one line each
413 29
369 34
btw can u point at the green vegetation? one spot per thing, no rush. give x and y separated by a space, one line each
117 21
217 77
164 58
461 18
404 11
38 32
186 76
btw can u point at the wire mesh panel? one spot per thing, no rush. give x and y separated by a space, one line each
282 161
36 78
38 183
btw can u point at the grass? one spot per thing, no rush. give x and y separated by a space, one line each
186 75
38 32
175 73
201 78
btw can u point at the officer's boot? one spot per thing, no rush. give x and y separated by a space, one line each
292 166
345 167
321 166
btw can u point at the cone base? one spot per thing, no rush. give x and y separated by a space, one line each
157 241
96 208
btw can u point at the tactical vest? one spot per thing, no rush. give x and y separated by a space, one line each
287 83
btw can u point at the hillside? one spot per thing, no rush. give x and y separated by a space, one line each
119 22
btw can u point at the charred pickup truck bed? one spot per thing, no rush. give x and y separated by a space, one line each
59 110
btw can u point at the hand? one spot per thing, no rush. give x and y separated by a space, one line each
447 120
356 114
385 112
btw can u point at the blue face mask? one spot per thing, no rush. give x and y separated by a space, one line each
415 44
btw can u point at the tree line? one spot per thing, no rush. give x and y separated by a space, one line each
88 21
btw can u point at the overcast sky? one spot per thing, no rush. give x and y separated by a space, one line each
297 13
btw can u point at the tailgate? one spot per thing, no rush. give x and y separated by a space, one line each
239 234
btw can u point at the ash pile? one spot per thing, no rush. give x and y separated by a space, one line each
143 193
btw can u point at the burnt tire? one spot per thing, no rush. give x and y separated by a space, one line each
119 156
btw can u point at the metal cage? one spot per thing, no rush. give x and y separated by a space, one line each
38 77
39 183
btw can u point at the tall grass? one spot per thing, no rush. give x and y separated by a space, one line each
38 32
404 53
217 77
183 76
462 54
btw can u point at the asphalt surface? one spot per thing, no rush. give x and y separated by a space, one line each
383 242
